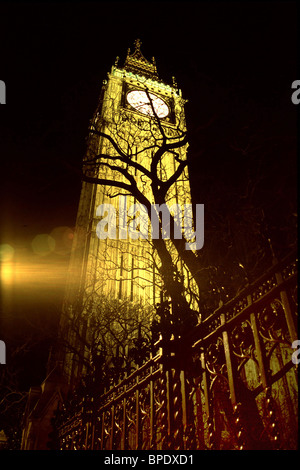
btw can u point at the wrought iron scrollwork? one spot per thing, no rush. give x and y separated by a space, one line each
272 321
223 389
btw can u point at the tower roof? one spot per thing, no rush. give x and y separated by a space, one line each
137 63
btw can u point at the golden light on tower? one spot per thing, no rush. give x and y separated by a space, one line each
137 140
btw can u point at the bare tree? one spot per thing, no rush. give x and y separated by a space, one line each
146 159
105 338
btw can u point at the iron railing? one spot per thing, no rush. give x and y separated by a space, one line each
230 384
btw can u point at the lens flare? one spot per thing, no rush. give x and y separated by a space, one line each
63 237
6 252
43 244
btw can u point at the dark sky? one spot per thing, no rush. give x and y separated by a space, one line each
236 56
234 61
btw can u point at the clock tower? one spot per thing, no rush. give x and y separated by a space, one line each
112 250
136 159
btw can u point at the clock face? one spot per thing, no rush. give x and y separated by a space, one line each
139 100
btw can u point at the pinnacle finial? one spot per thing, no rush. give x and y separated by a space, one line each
137 63
137 44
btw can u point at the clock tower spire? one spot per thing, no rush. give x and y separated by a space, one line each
137 63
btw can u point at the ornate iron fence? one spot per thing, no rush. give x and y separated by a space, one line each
230 384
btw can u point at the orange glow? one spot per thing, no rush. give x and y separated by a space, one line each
32 272
31 279
35 274
7 273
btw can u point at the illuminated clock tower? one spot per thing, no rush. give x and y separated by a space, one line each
137 142
112 249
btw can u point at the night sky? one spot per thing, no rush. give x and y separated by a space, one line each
234 62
